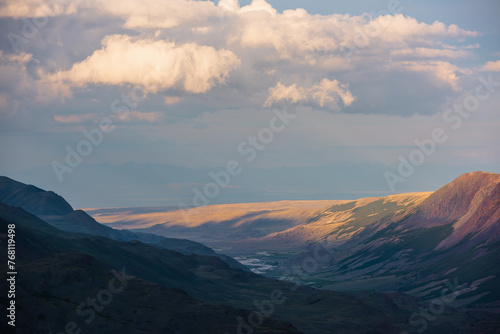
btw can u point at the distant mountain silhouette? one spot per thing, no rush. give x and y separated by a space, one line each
54 209
32 199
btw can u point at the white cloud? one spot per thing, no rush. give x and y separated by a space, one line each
281 92
206 42
295 32
325 94
154 65
143 14
38 8
230 5
259 5
432 53
443 72
491 66
159 14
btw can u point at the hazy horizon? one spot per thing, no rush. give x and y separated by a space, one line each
110 190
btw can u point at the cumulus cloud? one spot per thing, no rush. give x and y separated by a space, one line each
444 72
277 54
295 32
325 94
143 14
258 5
38 8
153 65
21 90
491 66
159 14
229 5
359 50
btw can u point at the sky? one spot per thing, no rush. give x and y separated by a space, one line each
298 99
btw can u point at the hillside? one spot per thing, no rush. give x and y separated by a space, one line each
55 210
407 242
168 290
451 235
32 199
59 271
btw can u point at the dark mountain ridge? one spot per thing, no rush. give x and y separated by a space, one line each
55 210
32 199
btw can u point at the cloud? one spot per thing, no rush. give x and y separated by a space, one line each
258 5
74 119
132 116
324 94
281 92
15 81
143 14
160 14
170 100
295 33
137 116
21 92
444 72
229 5
38 8
186 46
491 66
297 47
154 65
433 53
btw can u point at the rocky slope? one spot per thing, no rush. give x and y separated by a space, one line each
471 203
449 235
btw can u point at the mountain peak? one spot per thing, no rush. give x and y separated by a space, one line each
454 199
471 203
474 176
32 199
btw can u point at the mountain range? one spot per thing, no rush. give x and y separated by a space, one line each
69 266
408 242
